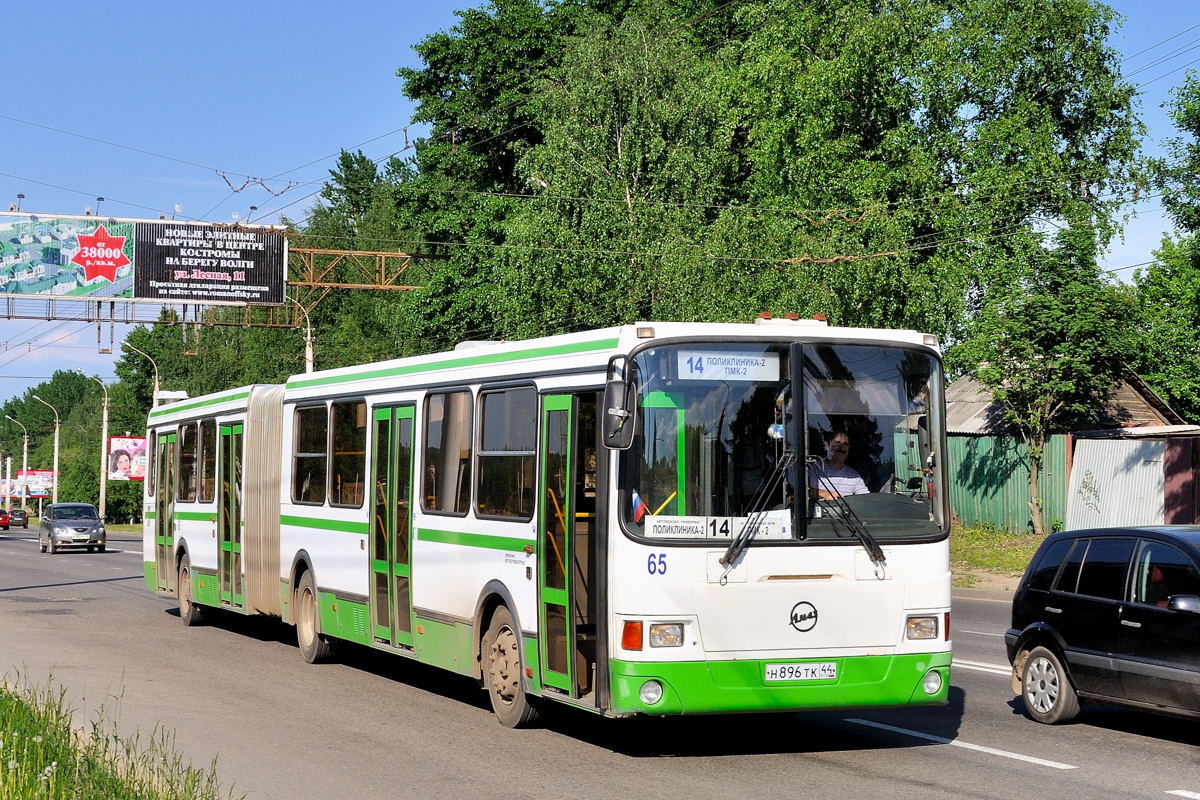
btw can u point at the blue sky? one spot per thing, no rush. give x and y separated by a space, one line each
272 90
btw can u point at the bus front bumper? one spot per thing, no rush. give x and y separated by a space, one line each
705 687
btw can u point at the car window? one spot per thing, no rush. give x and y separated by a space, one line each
1042 574
1160 571
1068 577
1103 572
76 512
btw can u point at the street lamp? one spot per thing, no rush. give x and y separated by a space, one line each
103 442
308 337
53 475
153 365
24 462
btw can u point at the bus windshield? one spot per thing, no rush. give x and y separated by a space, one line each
723 437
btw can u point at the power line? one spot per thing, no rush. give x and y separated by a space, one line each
1160 44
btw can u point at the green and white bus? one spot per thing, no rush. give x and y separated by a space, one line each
633 520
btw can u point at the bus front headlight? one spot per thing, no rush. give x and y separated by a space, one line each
666 634
922 627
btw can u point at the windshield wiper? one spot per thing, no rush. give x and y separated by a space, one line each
758 509
852 521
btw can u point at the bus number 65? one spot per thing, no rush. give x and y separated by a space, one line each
657 564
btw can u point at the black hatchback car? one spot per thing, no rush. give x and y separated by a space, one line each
1112 616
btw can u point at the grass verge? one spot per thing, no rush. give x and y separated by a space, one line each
43 756
984 549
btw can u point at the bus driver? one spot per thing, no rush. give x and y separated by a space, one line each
832 478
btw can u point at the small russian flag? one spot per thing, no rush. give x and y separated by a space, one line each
639 508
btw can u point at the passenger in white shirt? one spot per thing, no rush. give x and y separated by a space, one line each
832 479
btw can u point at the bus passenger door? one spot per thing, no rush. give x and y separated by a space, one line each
555 542
164 513
391 526
229 564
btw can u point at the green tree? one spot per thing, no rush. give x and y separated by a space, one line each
637 152
1168 291
1050 348
1167 352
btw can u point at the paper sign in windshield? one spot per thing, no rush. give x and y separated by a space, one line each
771 525
724 365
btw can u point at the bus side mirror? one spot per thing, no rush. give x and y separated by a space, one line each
618 415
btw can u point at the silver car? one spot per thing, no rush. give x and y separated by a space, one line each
71 525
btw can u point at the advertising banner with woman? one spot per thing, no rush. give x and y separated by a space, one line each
126 458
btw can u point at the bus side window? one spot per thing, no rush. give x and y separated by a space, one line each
507 436
208 461
309 455
151 456
349 456
447 452
186 492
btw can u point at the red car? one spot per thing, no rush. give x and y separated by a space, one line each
5 519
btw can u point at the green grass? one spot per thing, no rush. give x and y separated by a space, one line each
43 756
986 549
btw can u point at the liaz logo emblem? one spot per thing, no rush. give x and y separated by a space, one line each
804 616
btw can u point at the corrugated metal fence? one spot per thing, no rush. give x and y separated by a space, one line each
989 481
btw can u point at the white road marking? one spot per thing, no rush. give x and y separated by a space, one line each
979 666
980 599
981 633
1184 793
976 747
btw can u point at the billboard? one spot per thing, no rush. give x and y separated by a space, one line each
171 262
40 482
127 458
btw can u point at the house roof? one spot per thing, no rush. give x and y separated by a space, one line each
970 410
1144 432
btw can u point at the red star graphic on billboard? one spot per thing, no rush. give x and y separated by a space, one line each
100 255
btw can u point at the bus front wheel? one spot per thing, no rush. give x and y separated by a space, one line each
502 673
313 646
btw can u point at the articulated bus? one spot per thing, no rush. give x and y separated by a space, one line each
642 519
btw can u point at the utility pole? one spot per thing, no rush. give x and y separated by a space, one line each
24 462
54 474
103 443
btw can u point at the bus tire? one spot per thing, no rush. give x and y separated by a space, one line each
502 672
313 645
189 611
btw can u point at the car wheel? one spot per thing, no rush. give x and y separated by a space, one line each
502 673
313 645
53 546
189 611
99 548
1046 688
41 545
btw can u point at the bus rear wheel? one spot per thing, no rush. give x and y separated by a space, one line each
502 673
313 646
189 611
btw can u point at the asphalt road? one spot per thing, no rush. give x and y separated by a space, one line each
375 726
